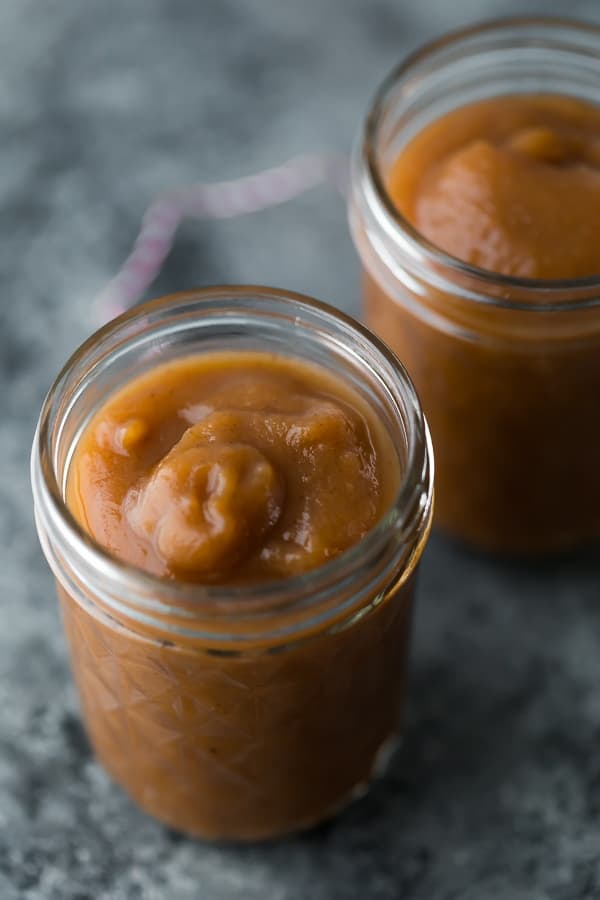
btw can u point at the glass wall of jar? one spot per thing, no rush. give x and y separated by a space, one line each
250 711
507 368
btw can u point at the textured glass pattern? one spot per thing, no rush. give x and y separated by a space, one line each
241 746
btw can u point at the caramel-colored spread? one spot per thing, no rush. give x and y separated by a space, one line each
511 185
225 468
236 469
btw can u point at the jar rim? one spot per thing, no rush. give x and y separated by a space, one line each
543 288
416 481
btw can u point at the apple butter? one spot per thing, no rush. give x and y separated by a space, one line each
235 522
478 229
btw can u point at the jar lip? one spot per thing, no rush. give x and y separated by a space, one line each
418 474
548 288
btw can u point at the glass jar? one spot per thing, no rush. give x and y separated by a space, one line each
507 369
237 712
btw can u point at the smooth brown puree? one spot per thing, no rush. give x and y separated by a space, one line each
236 469
511 185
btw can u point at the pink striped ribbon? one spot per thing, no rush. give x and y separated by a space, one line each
221 200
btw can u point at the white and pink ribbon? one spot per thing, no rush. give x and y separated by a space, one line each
221 200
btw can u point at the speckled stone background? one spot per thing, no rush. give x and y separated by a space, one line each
496 794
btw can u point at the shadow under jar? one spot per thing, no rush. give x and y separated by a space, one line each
507 365
238 711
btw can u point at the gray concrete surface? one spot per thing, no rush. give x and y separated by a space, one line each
496 794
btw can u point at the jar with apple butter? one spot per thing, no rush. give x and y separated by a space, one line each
233 488
475 208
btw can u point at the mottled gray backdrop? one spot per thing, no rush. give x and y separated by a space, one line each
496 795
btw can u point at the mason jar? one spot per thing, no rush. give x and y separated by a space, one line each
507 368
250 711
